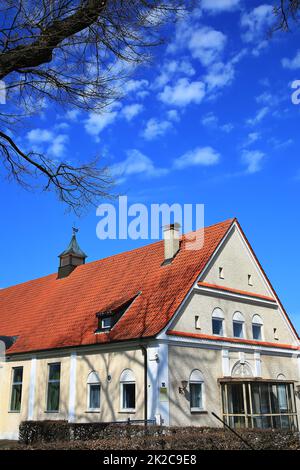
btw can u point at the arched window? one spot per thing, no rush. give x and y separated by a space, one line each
196 384
218 322
257 325
238 325
127 390
94 391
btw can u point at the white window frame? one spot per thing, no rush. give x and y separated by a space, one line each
196 378
93 379
238 318
103 327
127 378
257 321
218 315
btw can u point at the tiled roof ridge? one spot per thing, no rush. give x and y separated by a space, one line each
122 253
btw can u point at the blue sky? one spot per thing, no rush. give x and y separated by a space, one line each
210 121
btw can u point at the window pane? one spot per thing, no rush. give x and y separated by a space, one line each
128 396
238 329
16 391
106 322
237 421
94 397
255 398
196 395
265 399
54 371
274 399
16 396
256 332
53 396
18 375
235 398
217 326
282 398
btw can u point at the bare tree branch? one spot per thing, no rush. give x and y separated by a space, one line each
77 54
286 11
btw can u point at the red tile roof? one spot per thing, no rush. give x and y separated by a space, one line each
185 334
48 313
236 291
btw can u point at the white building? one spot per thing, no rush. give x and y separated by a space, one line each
161 332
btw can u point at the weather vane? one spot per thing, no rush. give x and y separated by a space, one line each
75 230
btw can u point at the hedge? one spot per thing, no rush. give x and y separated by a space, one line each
52 431
101 436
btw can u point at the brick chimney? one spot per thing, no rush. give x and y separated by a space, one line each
171 242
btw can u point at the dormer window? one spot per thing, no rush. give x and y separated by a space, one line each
108 318
106 323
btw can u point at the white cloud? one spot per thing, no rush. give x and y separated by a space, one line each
253 160
135 85
200 156
173 115
73 114
172 68
96 123
155 128
46 141
183 93
39 136
58 145
130 111
212 121
217 6
292 64
62 126
219 75
260 115
251 138
257 22
207 44
136 163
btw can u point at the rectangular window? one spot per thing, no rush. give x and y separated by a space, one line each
128 396
259 405
53 387
106 323
238 329
94 396
256 332
221 272
196 396
197 323
217 326
250 283
16 391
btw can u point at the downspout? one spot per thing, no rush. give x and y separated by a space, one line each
145 354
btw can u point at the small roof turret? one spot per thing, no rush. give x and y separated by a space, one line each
70 258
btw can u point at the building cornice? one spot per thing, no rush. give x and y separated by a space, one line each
229 342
